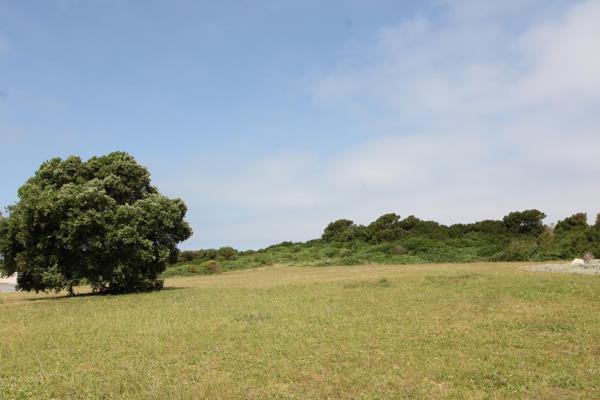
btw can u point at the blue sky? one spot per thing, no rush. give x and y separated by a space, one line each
272 118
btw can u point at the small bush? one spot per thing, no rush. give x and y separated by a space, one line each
345 252
398 250
350 260
331 252
211 254
187 256
253 317
212 267
192 269
263 259
227 253
519 250
383 282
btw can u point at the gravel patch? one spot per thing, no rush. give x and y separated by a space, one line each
590 269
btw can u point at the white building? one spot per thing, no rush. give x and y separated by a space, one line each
12 280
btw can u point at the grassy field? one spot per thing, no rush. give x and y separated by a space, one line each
473 331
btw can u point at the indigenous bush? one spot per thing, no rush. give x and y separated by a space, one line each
212 267
519 236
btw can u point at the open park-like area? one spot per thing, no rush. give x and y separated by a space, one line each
479 330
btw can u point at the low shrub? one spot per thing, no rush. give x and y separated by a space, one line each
227 253
350 260
331 252
192 269
212 267
392 240
383 282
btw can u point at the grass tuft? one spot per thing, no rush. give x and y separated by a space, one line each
381 283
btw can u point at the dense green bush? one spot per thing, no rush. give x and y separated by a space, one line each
386 228
212 267
520 236
528 222
343 230
227 253
576 222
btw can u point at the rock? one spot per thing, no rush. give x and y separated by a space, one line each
578 261
595 263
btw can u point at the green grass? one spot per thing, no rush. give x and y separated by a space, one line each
473 331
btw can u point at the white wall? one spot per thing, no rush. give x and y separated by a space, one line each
11 279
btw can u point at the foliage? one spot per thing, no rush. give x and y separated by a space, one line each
386 228
575 222
520 236
342 230
528 222
212 266
99 222
227 253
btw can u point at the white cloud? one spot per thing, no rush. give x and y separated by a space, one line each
564 56
500 118
457 69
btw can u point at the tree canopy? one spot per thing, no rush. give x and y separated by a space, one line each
340 230
98 221
574 222
527 222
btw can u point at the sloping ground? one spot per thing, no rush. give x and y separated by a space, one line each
368 332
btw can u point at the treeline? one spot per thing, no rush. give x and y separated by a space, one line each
519 236
390 239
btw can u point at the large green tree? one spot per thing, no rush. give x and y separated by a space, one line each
527 222
341 230
576 222
386 228
98 221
